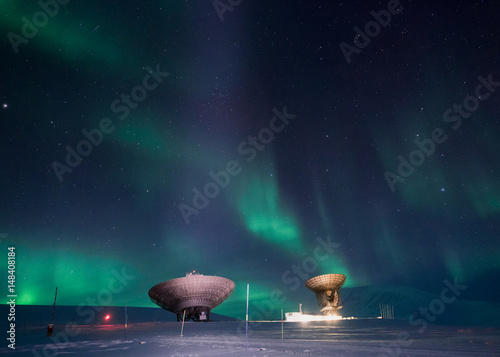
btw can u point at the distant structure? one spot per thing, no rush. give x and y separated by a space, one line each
194 295
327 290
386 311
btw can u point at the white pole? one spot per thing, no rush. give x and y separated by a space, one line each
183 316
281 323
126 323
246 334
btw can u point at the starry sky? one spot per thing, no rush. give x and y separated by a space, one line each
264 141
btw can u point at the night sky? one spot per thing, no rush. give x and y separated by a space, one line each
143 140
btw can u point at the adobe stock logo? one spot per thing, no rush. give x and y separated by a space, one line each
298 276
95 137
221 7
436 307
249 149
263 309
104 297
40 19
427 147
372 29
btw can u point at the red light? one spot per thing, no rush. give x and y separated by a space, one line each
107 317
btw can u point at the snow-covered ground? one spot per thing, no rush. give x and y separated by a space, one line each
425 324
370 337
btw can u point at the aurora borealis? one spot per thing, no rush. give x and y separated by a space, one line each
122 119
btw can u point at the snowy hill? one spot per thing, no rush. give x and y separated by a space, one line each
449 309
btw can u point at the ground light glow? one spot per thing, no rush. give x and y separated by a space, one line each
301 317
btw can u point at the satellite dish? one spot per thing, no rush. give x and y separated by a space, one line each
194 295
327 290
